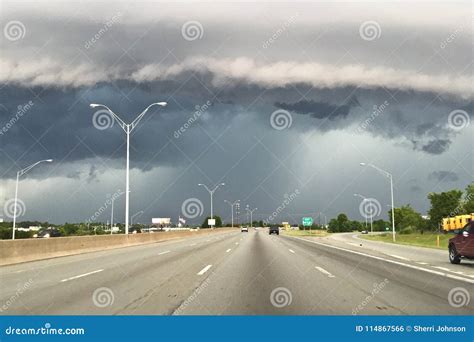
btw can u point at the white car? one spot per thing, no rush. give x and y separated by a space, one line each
244 229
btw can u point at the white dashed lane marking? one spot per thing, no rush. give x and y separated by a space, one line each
322 270
81 275
204 270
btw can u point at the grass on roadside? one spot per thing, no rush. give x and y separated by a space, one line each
415 239
317 233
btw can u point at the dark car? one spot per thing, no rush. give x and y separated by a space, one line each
274 230
462 245
48 233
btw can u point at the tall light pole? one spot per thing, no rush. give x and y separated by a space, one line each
389 176
128 128
325 218
232 209
136 214
112 216
18 175
251 212
364 199
211 192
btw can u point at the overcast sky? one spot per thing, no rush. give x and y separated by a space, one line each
281 101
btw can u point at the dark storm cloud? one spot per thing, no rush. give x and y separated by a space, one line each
434 146
319 110
443 176
60 124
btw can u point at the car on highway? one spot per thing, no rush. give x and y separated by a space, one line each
364 232
462 245
274 230
244 229
47 233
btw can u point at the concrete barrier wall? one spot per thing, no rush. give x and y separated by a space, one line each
23 250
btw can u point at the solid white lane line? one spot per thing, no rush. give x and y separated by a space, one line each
227 251
442 268
204 270
165 252
322 270
422 263
388 260
193 244
81 275
292 251
399 257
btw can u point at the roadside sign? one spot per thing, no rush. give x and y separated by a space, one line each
307 221
211 222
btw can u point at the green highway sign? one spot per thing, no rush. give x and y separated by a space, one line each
307 221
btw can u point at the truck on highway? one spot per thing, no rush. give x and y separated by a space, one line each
456 222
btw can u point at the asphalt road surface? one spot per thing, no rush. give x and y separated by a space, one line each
234 273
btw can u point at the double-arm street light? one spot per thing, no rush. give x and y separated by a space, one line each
128 128
232 209
18 175
251 213
389 176
211 192
371 214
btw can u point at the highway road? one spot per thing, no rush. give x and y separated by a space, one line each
234 273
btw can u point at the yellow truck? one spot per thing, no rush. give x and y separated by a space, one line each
456 222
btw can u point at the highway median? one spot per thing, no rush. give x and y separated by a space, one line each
25 250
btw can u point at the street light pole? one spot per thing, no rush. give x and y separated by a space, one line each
390 176
364 199
18 175
232 209
128 128
251 215
211 192
112 216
